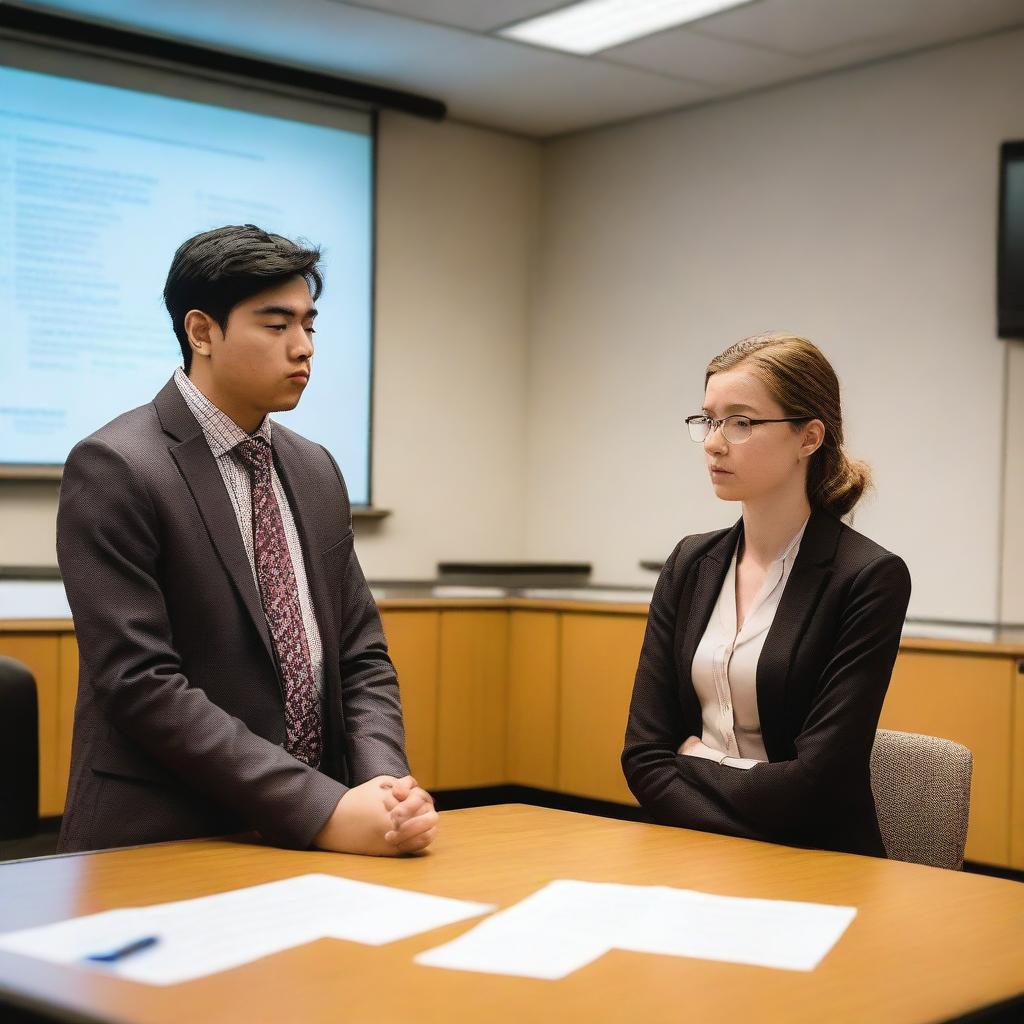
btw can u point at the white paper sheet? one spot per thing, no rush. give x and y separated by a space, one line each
549 934
767 933
568 924
214 933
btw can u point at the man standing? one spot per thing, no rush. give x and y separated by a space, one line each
234 673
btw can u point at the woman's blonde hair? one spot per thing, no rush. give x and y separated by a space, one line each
802 381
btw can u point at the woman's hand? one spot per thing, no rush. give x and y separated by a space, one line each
690 744
694 746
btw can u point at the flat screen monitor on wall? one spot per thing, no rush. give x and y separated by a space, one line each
1010 290
104 169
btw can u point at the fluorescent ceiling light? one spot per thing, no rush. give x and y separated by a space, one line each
594 25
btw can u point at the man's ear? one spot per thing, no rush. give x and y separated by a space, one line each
202 330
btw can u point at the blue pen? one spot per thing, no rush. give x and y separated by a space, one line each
135 946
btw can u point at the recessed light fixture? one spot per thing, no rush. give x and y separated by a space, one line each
593 25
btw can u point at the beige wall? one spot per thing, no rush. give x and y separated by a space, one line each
456 230
1012 605
858 209
28 521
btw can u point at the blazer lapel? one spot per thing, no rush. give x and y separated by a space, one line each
304 498
710 570
811 571
199 469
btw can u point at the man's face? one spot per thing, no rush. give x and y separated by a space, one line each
261 361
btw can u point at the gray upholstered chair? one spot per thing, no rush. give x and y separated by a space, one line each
922 787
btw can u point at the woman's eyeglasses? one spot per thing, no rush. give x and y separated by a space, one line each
735 429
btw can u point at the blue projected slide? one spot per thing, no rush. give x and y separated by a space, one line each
98 187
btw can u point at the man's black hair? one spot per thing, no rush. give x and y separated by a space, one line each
218 269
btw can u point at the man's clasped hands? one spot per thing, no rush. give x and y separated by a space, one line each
382 817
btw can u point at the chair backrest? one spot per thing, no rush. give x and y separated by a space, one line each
19 751
922 788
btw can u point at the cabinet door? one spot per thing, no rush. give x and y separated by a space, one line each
966 698
1017 782
599 658
67 697
39 651
413 638
533 699
472 699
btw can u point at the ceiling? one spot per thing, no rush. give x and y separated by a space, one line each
446 49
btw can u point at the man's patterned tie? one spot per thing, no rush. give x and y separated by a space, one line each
280 596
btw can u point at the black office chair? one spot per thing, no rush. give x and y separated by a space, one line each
19 751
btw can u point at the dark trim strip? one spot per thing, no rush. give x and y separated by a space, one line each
486 796
516 568
1009 1011
374 272
973 867
20 1009
53 27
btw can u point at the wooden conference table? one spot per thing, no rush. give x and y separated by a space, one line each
926 945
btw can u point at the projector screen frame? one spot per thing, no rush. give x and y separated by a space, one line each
57 31
28 471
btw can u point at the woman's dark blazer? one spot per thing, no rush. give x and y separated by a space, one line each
821 681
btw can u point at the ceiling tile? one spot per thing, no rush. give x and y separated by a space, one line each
475 15
551 100
682 53
806 27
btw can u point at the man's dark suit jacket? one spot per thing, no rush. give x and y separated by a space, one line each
821 680
179 724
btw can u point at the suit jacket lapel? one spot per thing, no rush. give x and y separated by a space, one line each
811 571
199 469
303 492
710 571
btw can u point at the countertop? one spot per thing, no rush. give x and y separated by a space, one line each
44 601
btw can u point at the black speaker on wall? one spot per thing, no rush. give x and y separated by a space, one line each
1010 288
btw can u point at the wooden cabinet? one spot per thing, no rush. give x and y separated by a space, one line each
1017 778
67 647
598 664
967 698
533 698
473 685
414 641
539 696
